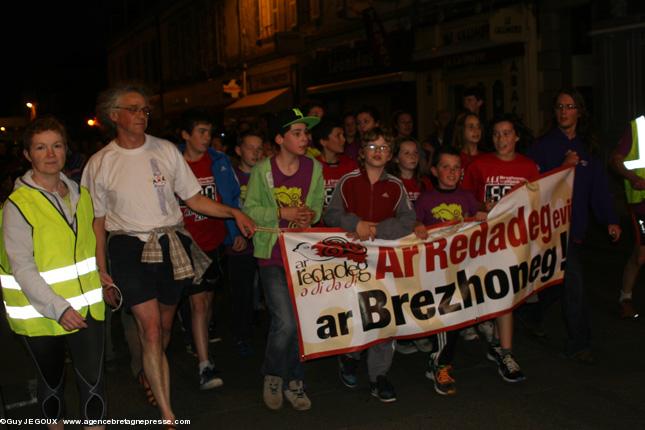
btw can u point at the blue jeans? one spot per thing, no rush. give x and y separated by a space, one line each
282 355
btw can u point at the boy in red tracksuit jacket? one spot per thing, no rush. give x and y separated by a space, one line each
369 204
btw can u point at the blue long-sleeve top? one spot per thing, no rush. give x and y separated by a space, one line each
228 188
590 186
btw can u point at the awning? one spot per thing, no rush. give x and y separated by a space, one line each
367 81
258 99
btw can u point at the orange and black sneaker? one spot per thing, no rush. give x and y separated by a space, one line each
444 383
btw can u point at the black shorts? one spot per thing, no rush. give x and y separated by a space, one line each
140 282
638 220
211 277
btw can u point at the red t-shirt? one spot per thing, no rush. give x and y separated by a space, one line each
490 178
414 187
332 172
208 232
467 159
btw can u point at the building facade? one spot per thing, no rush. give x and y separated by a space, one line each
242 58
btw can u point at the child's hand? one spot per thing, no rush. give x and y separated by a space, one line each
488 205
365 230
571 158
421 232
301 215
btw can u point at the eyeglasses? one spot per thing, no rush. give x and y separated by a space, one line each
373 147
566 107
146 110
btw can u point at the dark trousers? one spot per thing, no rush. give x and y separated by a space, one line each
242 273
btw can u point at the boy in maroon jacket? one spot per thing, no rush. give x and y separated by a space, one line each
370 204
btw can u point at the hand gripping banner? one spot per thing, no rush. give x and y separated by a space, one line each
349 295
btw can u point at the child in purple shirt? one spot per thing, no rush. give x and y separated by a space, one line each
444 203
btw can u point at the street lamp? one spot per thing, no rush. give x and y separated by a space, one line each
32 110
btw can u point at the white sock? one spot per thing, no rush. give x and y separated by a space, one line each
204 364
624 296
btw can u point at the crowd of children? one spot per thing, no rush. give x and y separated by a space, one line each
303 170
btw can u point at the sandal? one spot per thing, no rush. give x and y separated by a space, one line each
146 387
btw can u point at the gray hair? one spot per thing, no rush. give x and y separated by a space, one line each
107 101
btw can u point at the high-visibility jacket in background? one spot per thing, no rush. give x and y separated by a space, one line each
638 135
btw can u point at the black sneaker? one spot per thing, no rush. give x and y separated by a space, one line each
383 390
509 370
347 371
209 380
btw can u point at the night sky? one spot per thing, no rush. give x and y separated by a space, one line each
53 53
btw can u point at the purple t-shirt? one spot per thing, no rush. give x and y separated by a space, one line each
437 206
243 179
289 191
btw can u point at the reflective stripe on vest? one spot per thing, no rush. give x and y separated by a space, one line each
635 160
78 302
55 276
640 138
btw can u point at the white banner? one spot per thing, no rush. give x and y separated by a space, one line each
349 295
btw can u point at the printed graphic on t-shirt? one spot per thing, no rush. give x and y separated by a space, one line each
288 198
497 186
330 186
243 189
209 190
159 182
448 212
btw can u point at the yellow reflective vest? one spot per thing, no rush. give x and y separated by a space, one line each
65 259
638 128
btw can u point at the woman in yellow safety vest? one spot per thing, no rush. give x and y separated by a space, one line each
50 284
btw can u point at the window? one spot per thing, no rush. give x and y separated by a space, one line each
275 16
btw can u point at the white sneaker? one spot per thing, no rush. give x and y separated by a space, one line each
297 396
469 333
272 392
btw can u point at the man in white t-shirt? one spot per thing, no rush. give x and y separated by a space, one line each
133 181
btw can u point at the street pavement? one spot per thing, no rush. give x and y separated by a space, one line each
558 393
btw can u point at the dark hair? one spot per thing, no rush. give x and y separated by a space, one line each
191 117
106 102
323 130
394 167
522 131
377 132
443 150
240 138
40 125
396 115
371 110
346 114
460 127
313 103
584 127
474 91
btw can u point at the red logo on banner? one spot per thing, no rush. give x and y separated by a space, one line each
339 247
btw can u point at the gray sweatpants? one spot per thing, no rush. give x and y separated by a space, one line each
379 359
